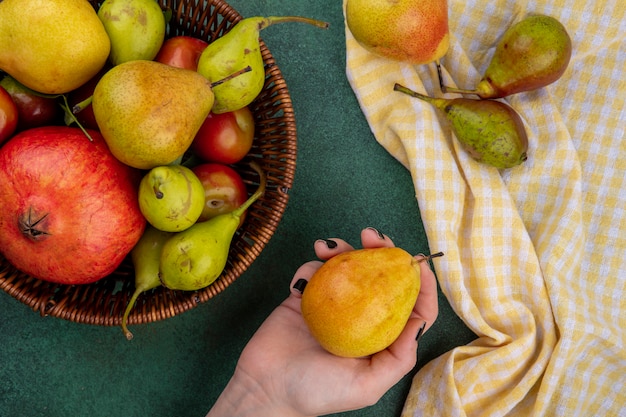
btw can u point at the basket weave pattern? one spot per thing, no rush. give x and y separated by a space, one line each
274 149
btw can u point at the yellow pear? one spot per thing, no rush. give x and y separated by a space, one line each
404 30
149 113
358 302
51 46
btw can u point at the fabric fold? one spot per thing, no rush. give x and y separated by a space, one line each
535 259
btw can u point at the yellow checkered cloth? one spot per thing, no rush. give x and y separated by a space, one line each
535 257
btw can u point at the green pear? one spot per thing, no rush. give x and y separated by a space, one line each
145 256
136 29
149 112
531 54
195 258
51 46
171 197
237 49
489 130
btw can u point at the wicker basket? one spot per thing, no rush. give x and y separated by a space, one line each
103 302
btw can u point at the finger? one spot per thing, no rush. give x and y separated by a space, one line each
404 348
327 248
427 305
373 238
390 365
302 276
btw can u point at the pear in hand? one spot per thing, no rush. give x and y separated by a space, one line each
531 54
490 131
136 28
358 302
171 197
404 30
145 256
194 258
237 49
149 112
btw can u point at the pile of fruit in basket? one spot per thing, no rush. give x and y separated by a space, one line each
116 140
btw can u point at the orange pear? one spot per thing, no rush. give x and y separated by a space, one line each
358 302
404 30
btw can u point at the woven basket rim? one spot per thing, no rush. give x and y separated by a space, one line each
275 149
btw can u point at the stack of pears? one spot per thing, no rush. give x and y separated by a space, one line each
531 54
149 113
190 259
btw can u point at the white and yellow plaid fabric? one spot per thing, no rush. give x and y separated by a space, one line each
535 256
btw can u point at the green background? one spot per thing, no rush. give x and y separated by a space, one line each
345 181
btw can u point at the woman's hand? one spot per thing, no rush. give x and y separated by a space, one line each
283 371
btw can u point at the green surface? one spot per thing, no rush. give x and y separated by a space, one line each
344 182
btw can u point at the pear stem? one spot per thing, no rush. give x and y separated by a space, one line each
129 307
437 102
270 20
429 257
412 93
70 117
238 212
444 88
231 76
78 107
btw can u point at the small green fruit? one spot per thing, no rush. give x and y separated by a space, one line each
171 197
195 258
237 49
136 29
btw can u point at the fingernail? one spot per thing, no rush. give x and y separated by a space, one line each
420 332
380 235
300 284
331 244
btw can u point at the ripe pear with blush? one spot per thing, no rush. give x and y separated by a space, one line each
404 30
531 54
358 302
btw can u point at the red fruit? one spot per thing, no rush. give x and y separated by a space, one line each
225 138
224 189
68 208
8 115
32 109
181 52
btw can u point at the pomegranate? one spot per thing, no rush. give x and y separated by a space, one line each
68 208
